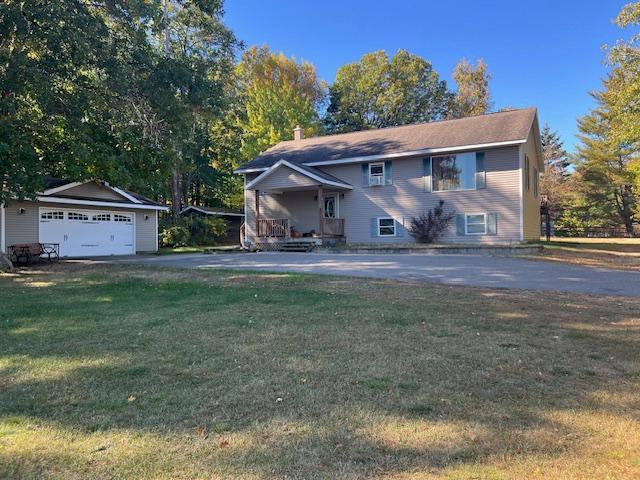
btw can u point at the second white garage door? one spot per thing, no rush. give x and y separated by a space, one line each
87 233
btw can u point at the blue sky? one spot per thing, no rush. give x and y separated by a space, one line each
546 54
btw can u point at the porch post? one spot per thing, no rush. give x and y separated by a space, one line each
257 193
321 210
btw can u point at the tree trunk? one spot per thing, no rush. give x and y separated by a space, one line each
625 209
198 194
175 192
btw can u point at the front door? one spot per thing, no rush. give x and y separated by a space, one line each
330 206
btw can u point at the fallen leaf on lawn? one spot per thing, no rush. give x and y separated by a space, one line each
131 399
223 442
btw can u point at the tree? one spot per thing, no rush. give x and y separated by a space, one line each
472 97
605 165
118 90
554 183
195 52
277 94
624 93
68 68
376 93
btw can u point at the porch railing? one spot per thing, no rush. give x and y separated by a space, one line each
275 227
333 226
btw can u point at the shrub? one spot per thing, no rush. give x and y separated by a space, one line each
175 236
428 227
205 230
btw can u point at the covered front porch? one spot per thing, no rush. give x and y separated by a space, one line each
294 203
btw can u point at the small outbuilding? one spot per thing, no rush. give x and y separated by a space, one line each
234 217
85 219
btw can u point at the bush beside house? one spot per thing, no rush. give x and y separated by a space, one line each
194 230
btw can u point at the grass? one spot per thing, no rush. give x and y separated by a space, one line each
115 372
619 253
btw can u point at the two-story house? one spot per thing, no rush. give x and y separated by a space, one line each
364 187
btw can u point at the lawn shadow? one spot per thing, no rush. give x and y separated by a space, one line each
376 377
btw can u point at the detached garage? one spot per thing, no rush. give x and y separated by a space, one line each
86 219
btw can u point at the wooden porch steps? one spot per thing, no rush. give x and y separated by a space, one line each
292 246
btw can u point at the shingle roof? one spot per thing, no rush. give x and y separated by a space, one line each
497 127
215 210
321 174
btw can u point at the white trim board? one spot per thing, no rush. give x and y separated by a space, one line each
66 186
119 191
411 153
297 168
70 201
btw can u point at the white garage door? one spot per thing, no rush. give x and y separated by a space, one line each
86 233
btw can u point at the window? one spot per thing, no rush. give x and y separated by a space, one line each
454 172
77 216
121 218
476 224
527 177
536 178
52 215
103 217
386 227
376 174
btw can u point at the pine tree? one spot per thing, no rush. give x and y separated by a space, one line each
554 183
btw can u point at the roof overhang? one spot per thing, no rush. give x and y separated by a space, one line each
387 156
98 203
210 212
303 171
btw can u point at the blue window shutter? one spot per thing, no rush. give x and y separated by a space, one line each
365 174
426 173
460 230
374 227
399 228
388 174
481 174
492 223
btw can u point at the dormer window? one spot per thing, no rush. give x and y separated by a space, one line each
376 174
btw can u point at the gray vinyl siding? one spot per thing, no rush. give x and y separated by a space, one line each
146 230
92 190
285 177
531 202
24 228
21 228
406 198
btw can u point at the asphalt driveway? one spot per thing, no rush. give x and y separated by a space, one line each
470 270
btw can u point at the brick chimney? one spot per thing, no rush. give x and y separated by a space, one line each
298 134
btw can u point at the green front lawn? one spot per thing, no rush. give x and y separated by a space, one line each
116 372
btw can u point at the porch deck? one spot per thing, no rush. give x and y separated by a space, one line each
278 228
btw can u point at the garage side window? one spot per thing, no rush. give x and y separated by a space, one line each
103 217
52 215
77 216
121 218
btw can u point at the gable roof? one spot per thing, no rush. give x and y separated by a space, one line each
55 189
493 129
310 172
